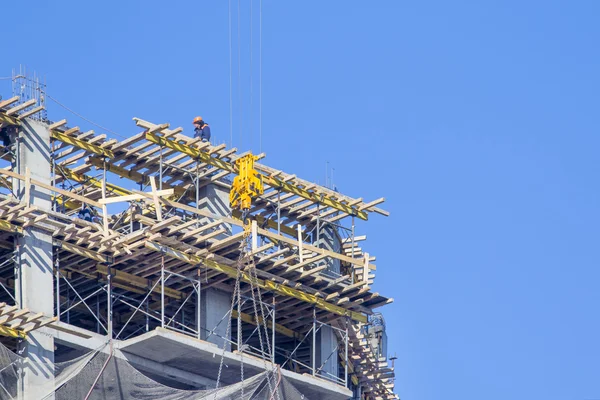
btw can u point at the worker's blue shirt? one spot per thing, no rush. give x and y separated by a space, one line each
203 133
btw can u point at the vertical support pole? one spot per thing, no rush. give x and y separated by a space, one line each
104 209
254 228
162 293
197 184
68 305
279 215
109 320
319 225
314 344
57 287
273 335
160 173
300 249
147 312
53 161
352 256
198 307
98 313
157 205
346 356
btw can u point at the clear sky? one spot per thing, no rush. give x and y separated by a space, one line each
478 121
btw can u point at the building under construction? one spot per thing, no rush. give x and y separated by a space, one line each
164 267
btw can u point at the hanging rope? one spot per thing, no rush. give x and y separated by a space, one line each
84 118
260 78
234 297
251 91
240 70
245 263
230 84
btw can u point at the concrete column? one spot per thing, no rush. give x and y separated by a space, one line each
215 303
327 343
34 287
215 199
329 239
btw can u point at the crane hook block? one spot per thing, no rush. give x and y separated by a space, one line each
246 185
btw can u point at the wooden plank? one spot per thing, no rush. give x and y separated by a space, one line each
135 196
57 124
30 112
20 107
157 205
8 102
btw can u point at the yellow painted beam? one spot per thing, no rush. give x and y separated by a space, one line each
8 119
84 179
8 227
10 332
70 204
263 284
192 152
273 182
81 144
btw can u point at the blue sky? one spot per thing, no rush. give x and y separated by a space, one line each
478 121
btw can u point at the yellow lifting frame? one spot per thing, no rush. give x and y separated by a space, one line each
246 185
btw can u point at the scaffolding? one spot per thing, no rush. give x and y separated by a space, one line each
149 251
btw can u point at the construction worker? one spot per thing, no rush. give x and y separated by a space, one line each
85 214
202 129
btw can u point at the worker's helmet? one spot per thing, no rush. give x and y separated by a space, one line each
197 120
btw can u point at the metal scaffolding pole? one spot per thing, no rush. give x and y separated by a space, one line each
197 184
160 179
346 356
57 286
314 344
198 308
273 335
351 266
162 292
109 316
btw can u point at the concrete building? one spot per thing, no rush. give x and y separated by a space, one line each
129 250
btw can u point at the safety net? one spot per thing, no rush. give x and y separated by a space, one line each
98 375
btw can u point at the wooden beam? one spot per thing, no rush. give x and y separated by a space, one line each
21 106
30 112
8 102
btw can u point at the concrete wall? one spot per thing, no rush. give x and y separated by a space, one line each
34 287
